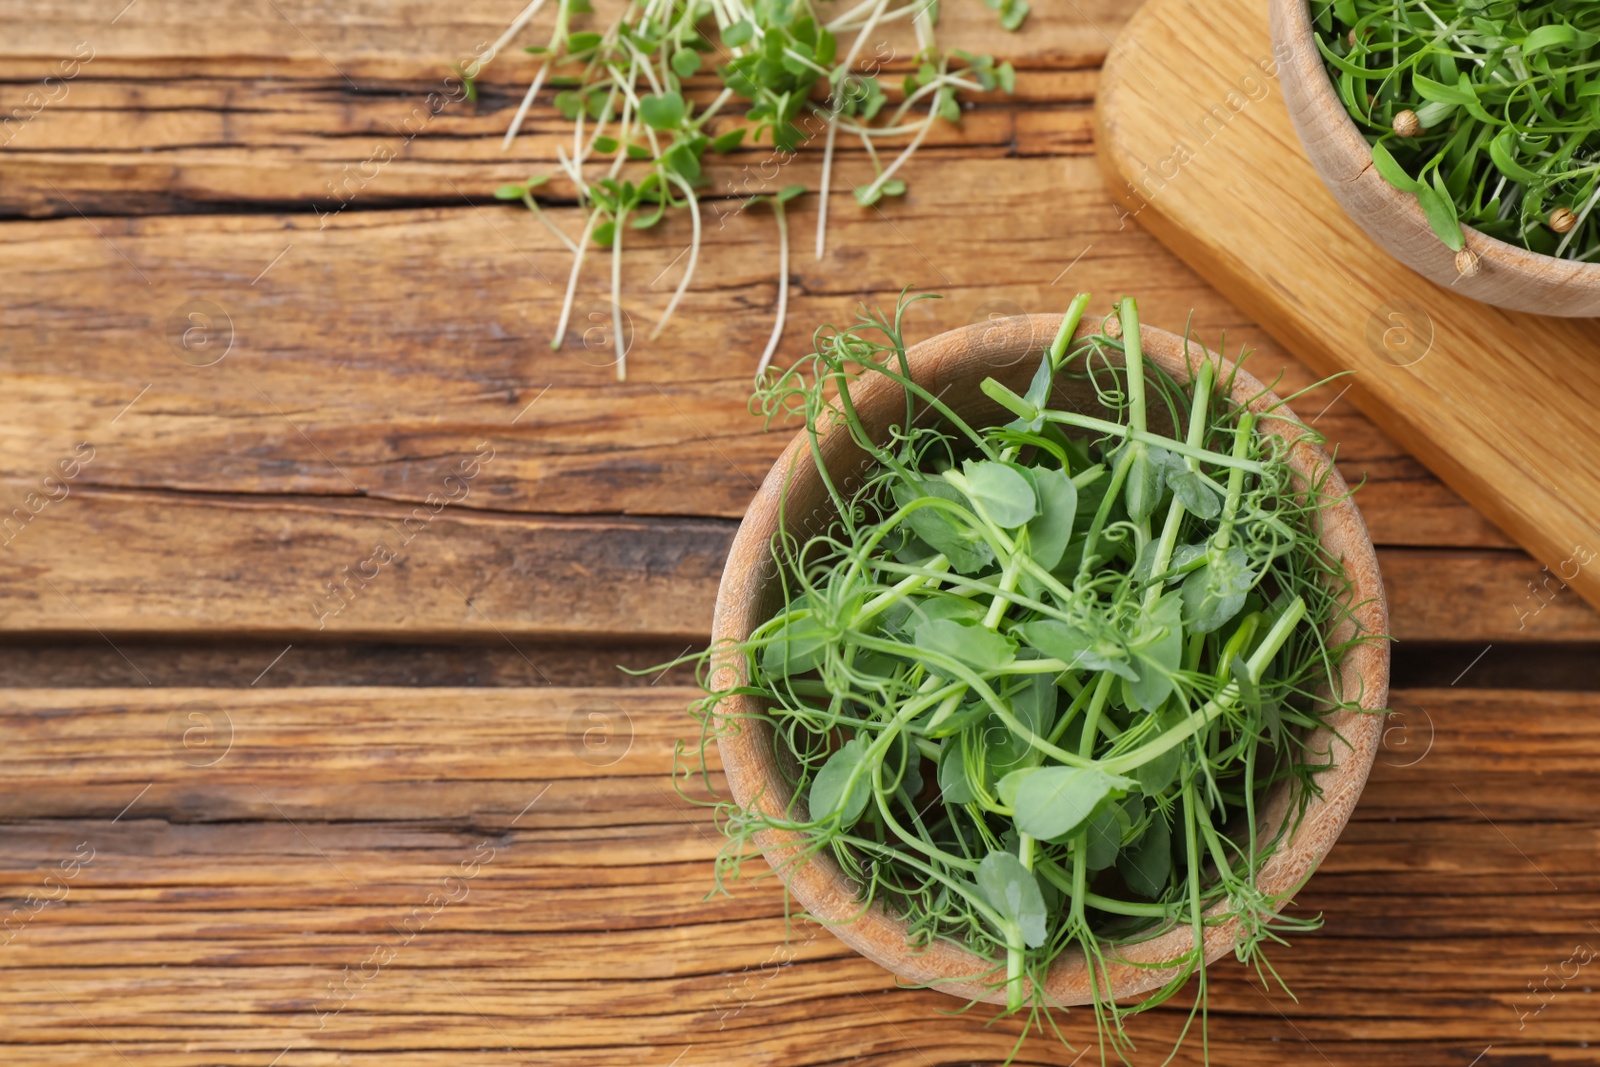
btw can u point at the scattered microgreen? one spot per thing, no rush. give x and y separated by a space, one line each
1031 682
1487 110
622 89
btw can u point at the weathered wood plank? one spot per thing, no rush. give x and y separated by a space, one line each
477 756
417 336
119 147
176 563
173 563
582 931
411 38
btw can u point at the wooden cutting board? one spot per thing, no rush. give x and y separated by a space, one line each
1196 144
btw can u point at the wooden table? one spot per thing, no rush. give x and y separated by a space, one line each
436 825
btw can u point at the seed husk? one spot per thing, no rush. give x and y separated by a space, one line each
1406 124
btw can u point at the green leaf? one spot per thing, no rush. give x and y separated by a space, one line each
828 795
1440 93
582 42
727 142
926 609
1557 35
1157 651
1050 531
1005 495
1441 213
1057 800
737 34
682 159
662 111
894 187
1195 493
605 233
1103 838
827 48
903 752
798 646
1008 78
1155 775
1035 704
1004 749
605 145
966 642
510 192
1500 153
1391 171
958 720
1147 865
1039 387
569 104
874 100
788 193
1013 891
963 546
686 62
954 785
1007 787
1141 491
1214 594
1076 648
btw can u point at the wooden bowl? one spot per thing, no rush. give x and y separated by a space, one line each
1507 275
952 365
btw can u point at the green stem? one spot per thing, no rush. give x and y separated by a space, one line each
1225 699
1069 326
1117 429
1230 505
1175 510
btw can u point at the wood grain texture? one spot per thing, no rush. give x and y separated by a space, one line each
1499 404
371 356
119 146
415 40
219 907
1505 275
175 563
111 563
418 334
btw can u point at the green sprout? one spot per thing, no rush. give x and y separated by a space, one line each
1032 680
639 141
1484 109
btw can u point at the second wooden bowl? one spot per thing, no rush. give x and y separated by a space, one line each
952 366
1506 275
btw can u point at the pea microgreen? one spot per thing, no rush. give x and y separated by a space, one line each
1487 110
1031 681
622 89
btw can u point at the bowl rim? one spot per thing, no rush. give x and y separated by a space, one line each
1292 19
820 885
